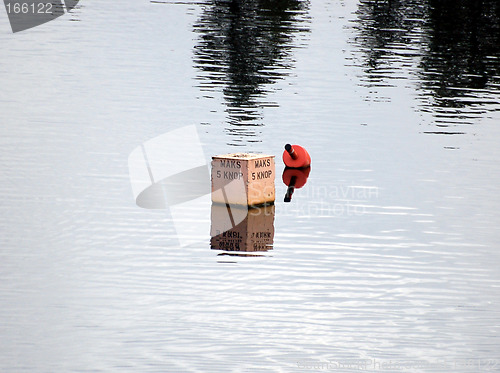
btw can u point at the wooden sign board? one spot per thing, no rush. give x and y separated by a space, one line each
243 179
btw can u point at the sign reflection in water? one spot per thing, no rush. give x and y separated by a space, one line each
252 228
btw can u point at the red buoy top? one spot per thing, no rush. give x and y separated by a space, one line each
295 156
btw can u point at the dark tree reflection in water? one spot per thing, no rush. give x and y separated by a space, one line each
245 46
462 66
389 34
449 49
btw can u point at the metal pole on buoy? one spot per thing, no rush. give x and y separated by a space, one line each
291 151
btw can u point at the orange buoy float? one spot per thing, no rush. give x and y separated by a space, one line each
295 156
294 178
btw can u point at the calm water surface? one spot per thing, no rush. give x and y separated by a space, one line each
389 252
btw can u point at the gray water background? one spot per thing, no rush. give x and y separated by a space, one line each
389 253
